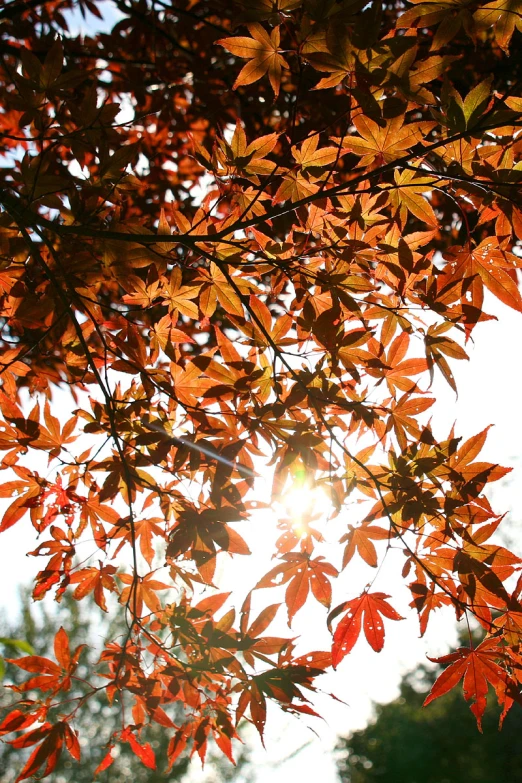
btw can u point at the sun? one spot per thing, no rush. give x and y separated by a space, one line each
303 502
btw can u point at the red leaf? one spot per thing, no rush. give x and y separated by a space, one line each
17 720
176 746
144 752
35 663
47 753
368 608
478 667
105 763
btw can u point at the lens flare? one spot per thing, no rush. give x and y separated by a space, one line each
303 502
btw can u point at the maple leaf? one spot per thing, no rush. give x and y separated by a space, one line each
225 292
407 196
141 590
479 667
309 156
263 52
180 297
247 160
52 739
399 369
511 624
300 182
368 608
143 531
434 12
301 573
50 676
144 752
486 265
249 202
167 335
504 15
426 600
143 293
189 383
106 762
438 347
22 503
402 416
254 643
266 330
94 580
331 53
294 187
360 539
377 145
263 10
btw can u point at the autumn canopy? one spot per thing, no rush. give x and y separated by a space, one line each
243 240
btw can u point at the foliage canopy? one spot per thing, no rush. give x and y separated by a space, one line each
266 257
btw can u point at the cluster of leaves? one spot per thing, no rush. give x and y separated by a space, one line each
229 264
96 720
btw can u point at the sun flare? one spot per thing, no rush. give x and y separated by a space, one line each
303 502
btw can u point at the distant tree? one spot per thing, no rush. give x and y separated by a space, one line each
407 743
35 632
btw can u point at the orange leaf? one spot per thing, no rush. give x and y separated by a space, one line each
263 52
61 649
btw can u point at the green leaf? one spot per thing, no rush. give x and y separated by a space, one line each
19 644
476 101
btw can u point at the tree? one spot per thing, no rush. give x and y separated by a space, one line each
244 234
410 744
98 719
